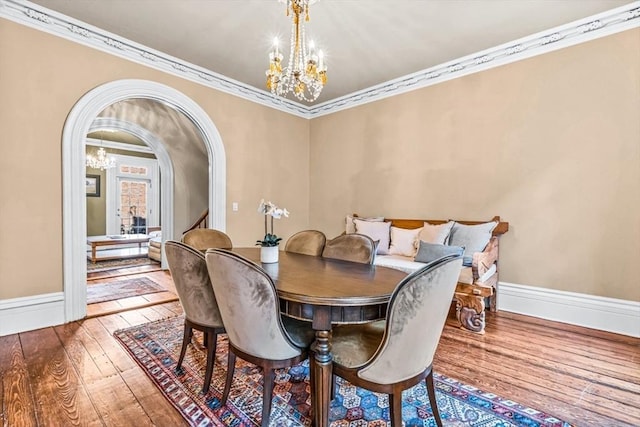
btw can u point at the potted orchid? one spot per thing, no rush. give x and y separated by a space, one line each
269 244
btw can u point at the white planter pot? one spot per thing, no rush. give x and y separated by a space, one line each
268 254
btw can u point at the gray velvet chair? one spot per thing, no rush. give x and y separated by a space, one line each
351 247
191 278
307 242
251 314
205 238
393 355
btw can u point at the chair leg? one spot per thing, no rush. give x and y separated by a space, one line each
395 409
186 339
267 394
431 390
211 338
231 367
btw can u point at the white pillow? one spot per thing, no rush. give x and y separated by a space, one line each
404 241
350 227
436 234
378 231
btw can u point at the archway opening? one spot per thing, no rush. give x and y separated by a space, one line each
78 124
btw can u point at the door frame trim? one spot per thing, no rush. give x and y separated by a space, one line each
74 214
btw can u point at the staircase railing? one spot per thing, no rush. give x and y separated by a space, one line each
201 222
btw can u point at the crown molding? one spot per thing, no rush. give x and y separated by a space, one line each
593 27
43 19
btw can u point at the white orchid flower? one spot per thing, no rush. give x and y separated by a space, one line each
270 209
262 207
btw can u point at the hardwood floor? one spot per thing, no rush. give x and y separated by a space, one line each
78 374
152 272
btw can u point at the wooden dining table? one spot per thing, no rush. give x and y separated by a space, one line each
327 292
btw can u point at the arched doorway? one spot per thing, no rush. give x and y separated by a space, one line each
76 127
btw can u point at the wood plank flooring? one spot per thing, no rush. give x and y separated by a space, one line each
78 374
152 272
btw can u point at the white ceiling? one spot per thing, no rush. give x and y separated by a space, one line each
366 42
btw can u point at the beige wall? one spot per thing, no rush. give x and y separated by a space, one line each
551 144
43 76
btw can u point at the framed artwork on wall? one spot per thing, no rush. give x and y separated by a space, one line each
93 185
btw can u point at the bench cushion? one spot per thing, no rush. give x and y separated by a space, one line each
408 265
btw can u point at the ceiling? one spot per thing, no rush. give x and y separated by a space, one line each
366 42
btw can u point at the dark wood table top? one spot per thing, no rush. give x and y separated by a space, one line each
320 281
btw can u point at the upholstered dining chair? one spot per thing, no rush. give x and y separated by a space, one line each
351 247
251 314
393 355
191 278
205 238
307 242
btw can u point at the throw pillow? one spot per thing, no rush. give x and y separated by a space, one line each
404 241
428 252
350 227
474 238
377 231
436 233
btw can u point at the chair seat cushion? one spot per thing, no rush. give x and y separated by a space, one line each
354 345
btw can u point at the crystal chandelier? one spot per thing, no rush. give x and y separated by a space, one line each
100 160
306 72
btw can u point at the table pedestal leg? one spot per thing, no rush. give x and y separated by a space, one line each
322 371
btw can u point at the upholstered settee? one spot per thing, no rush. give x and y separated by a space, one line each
407 244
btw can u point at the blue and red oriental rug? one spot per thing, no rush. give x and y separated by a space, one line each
156 346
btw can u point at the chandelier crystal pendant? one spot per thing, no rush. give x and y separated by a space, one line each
306 73
100 160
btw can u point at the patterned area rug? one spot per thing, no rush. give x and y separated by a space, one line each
117 289
156 346
116 264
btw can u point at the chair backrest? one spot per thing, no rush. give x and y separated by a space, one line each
249 306
205 238
417 312
191 278
351 247
307 242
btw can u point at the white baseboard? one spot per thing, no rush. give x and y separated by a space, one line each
29 313
607 314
